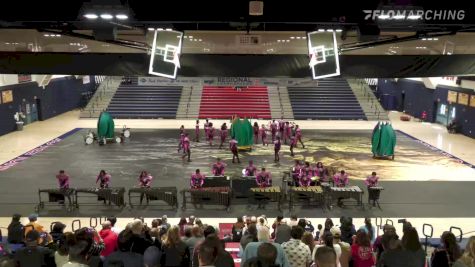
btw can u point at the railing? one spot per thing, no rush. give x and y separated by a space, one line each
99 95
369 96
188 102
280 102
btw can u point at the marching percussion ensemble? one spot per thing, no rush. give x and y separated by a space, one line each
167 194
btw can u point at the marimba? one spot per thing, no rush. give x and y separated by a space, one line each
166 194
265 194
373 194
208 196
309 194
353 192
217 181
111 195
57 196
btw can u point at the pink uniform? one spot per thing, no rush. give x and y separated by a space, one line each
255 129
224 133
197 180
145 181
307 172
277 145
210 133
340 180
251 170
298 133
263 179
218 169
63 181
233 146
197 129
371 181
206 127
186 144
305 181
104 180
273 129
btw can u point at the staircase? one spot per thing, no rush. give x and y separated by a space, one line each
331 99
286 107
224 102
132 101
101 98
190 100
368 101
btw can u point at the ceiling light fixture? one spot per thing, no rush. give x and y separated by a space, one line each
321 30
90 16
292 37
338 30
121 16
106 16
151 29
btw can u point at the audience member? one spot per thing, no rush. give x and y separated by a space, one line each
319 230
15 230
394 255
308 239
61 256
411 243
282 232
361 251
251 248
141 236
57 233
207 255
196 238
124 256
223 258
347 229
369 229
276 223
174 251
378 245
298 254
115 229
191 220
33 255
250 236
237 230
266 257
34 225
325 257
152 257
293 220
448 253
345 247
327 241
109 237
468 257
181 225
91 236
328 225
79 254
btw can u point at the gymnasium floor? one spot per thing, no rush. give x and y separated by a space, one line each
422 182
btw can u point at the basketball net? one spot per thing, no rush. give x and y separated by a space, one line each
176 60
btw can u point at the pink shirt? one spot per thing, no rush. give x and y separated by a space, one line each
63 180
186 143
197 180
362 256
104 179
145 181
340 180
371 181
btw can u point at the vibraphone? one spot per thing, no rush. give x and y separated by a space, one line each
111 195
166 194
309 194
56 196
265 194
208 196
373 194
241 188
217 181
353 192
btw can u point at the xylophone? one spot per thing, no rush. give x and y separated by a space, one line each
56 195
166 194
373 194
208 196
217 181
264 194
353 192
309 194
111 195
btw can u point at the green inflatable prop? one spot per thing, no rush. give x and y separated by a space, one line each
241 129
383 140
105 126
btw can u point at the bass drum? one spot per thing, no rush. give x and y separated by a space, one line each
126 133
118 140
89 140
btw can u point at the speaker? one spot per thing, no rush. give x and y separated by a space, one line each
368 32
105 34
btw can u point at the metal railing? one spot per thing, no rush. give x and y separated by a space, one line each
93 107
369 97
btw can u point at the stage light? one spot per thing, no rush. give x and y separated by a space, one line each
338 30
168 29
160 29
46 35
423 39
121 16
329 30
291 37
90 16
106 16
151 29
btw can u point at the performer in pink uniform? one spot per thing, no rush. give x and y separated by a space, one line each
305 181
321 172
296 171
289 129
255 130
234 149
63 180
286 136
186 147
197 131
372 180
206 127
341 179
281 128
298 135
145 181
218 168
263 178
263 134
210 133
224 134
197 179
277 145
307 171
182 136
104 178
293 143
251 170
273 129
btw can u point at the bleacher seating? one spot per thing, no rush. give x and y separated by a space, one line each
223 102
147 102
332 99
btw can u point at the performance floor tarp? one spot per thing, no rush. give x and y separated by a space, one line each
420 182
